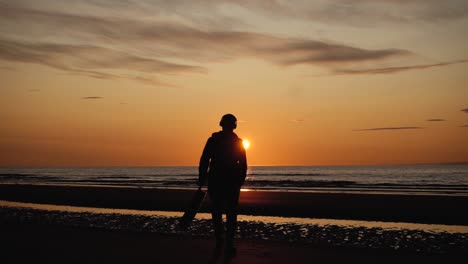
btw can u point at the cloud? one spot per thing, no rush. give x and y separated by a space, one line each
83 56
388 128
298 120
464 126
119 46
465 110
316 52
435 120
7 68
398 69
330 10
172 39
355 12
361 12
157 47
92 97
91 61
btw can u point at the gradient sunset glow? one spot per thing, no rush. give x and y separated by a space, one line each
142 83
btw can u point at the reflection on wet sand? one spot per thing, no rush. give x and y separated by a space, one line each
250 218
342 233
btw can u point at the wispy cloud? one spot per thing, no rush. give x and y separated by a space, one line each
435 120
316 52
398 69
465 110
172 39
356 12
92 61
7 68
298 120
388 128
92 97
154 47
361 12
102 43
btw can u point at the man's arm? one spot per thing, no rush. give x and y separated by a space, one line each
205 162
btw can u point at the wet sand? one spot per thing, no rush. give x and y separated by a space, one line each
48 234
424 239
421 208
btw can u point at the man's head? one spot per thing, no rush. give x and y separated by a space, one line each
228 122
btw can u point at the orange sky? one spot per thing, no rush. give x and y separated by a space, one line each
89 84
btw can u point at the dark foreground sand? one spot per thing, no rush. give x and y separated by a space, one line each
29 243
421 208
38 236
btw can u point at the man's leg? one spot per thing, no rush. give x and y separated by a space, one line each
217 217
231 216
231 221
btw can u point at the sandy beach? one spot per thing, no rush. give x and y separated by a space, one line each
76 234
421 208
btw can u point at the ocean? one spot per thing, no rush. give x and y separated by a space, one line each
438 179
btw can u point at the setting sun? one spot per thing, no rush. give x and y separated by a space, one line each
246 143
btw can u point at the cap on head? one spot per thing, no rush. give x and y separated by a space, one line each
228 121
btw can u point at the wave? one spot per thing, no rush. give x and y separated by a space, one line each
17 176
287 174
292 183
190 180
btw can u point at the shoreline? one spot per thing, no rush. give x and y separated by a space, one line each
330 190
430 209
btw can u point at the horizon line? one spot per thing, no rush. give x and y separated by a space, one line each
155 166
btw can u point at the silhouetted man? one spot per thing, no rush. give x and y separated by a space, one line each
224 164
